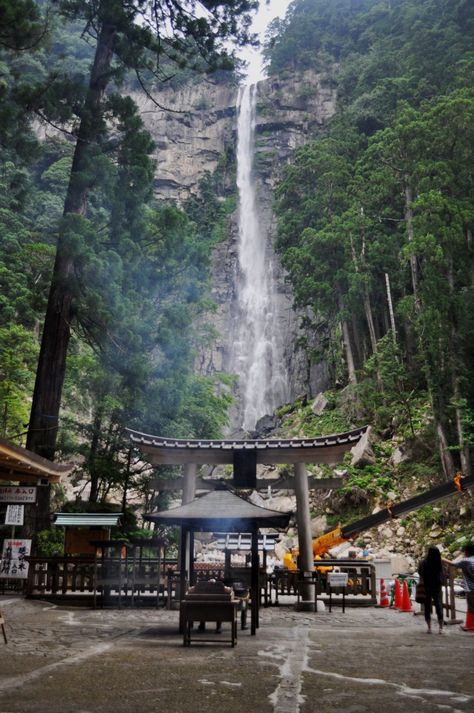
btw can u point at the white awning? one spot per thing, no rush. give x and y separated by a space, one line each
87 519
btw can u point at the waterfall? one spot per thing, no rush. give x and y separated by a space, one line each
258 351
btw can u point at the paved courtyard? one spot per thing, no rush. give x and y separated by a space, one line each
76 660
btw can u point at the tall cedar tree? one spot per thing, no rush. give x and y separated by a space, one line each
130 36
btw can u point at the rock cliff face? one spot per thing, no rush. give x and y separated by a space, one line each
192 130
195 128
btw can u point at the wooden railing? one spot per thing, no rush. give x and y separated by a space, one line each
120 580
361 580
60 576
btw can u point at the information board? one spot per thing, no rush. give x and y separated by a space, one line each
15 515
18 494
337 579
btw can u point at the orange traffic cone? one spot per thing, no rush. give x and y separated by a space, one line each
469 624
406 601
383 595
397 602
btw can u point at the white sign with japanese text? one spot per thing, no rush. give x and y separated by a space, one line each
13 564
18 494
15 515
337 579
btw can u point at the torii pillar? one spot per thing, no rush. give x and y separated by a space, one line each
305 545
186 542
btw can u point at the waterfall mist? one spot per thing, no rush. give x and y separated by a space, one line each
258 349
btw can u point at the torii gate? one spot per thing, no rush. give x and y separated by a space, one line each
244 455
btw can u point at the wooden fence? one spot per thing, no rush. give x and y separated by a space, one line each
99 580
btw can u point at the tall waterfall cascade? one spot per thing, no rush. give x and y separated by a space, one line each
258 349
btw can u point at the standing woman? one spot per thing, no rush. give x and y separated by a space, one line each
431 572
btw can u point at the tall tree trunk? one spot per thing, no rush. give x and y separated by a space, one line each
470 248
390 308
464 453
447 462
370 319
126 481
409 228
346 339
92 460
43 427
365 292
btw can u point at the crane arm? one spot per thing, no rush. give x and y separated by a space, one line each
325 542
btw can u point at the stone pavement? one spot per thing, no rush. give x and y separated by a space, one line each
75 660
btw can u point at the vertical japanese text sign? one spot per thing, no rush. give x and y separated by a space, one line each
13 564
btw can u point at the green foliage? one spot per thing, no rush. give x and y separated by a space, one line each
137 272
427 515
50 543
19 352
370 479
379 52
386 393
385 193
211 209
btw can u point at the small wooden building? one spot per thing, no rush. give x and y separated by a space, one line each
83 530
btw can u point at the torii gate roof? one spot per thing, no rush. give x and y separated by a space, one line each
172 451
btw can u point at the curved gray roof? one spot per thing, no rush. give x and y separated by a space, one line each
221 511
323 449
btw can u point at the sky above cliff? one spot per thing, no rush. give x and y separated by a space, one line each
267 12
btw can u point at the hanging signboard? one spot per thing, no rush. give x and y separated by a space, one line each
337 579
15 515
18 494
13 564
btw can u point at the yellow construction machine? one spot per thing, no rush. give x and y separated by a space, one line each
325 542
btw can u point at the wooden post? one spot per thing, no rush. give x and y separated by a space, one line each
190 554
305 543
227 564
2 624
184 557
182 573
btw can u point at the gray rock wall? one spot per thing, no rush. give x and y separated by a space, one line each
192 130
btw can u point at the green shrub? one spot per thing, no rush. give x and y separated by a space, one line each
51 542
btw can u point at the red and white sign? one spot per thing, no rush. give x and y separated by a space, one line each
18 494
13 564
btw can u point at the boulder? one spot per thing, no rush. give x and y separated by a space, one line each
318 525
362 453
266 425
399 456
319 404
282 503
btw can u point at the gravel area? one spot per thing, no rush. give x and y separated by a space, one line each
61 659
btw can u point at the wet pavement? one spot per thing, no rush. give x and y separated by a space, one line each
367 660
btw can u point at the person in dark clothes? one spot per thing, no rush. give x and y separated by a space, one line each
431 572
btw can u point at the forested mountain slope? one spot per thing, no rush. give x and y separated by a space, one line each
375 221
375 214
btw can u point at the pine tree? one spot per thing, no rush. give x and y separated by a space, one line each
128 36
